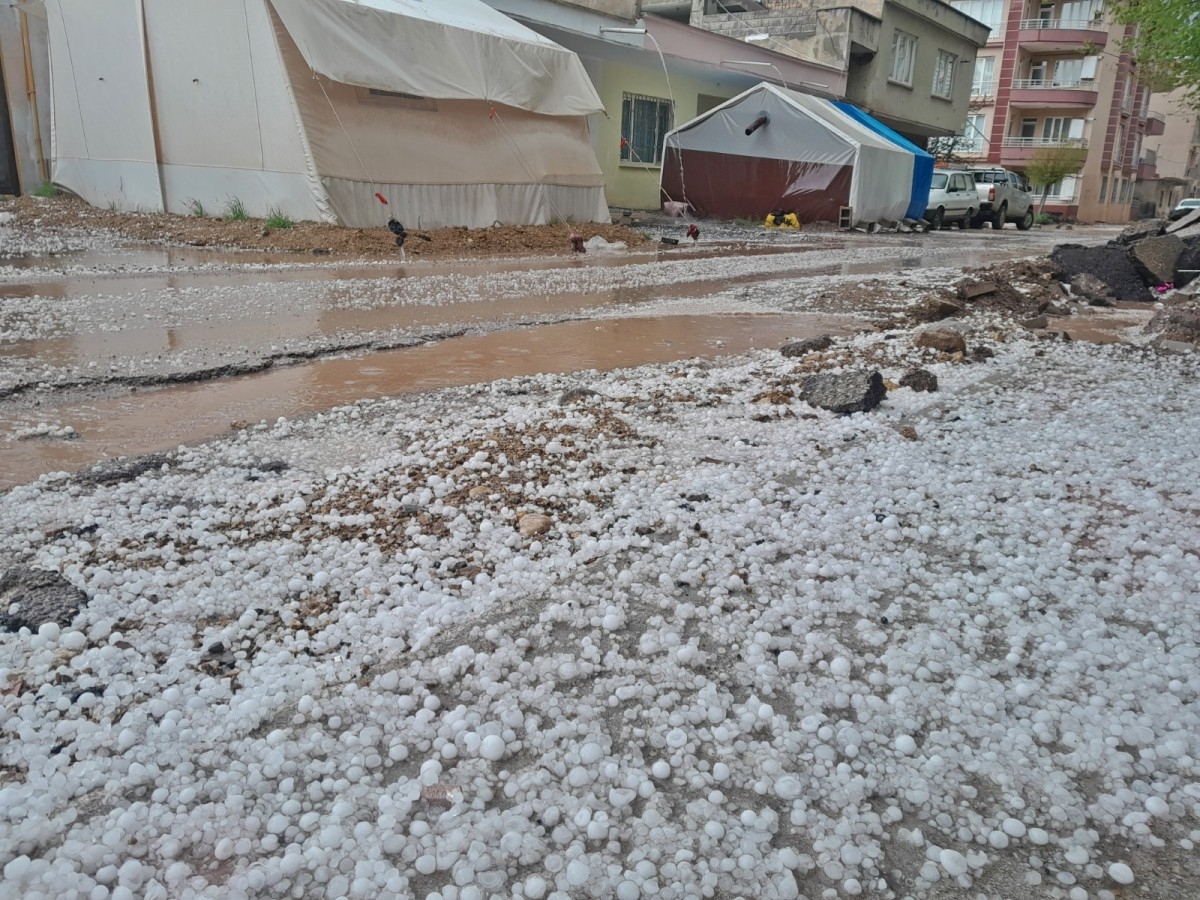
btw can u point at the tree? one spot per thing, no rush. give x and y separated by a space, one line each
1049 165
1166 44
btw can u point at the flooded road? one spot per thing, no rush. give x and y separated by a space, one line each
93 345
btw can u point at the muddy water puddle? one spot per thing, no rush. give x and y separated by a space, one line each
164 418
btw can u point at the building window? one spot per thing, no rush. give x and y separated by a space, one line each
1068 72
1103 188
983 82
943 74
989 12
645 121
973 133
904 55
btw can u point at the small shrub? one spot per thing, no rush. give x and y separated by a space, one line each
46 189
196 208
1044 219
235 209
276 219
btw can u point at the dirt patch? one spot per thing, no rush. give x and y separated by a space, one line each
315 238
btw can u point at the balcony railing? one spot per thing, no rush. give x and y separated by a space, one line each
1078 143
1063 24
983 89
1054 84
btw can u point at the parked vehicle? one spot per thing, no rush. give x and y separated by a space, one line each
1003 197
1185 206
952 198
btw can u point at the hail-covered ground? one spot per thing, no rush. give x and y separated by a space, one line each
659 632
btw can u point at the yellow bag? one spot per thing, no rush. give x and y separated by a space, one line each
782 219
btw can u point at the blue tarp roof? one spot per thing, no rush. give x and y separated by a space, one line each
922 160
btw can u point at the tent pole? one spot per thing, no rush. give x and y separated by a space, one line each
31 97
154 129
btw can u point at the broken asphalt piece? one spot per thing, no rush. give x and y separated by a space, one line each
944 340
1187 221
807 346
1111 264
844 392
29 598
969 290
119 470
1178 323
1036 323
934 309
1187 267
1091 289
1155 258
1140 231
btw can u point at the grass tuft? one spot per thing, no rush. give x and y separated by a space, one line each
235 209
196 208
276 219
46 189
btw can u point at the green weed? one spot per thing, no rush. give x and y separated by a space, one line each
276 219
235 209
196 208
46 189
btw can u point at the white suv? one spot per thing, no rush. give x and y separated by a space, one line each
952 198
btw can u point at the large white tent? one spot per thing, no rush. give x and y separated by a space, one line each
451 111
771 148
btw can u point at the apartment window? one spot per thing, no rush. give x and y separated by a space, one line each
973 133
904 55
1063 189
1068 72
1079 13
983 81
1118 185
1028 128
1103 188
1120 148
645 121
943 74
989 12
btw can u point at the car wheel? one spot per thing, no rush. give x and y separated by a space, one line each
1026 221
967 219
999 217
936 220
978 221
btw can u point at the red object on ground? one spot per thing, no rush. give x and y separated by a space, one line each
693 232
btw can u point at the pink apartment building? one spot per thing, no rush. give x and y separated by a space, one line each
1054 72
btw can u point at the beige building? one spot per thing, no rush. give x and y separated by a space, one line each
906 62
1170 162
1054 73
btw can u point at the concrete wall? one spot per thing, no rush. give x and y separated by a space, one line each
622 9
630 185
28 104
857 37
915 110
1178 148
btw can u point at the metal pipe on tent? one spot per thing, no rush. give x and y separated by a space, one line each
762 120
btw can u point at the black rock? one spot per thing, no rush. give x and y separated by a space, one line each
577 395
845 392
807 346
920 380
120 470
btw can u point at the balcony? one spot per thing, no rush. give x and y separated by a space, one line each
1017 151
1053 93
984 91
1156 124
1147 166
1062 35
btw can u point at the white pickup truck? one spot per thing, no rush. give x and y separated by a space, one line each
1003 197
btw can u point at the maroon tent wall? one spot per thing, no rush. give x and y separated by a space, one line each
729 186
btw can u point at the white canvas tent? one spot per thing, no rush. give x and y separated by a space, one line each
804 156
453 112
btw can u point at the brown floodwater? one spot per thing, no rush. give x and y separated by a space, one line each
163 418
